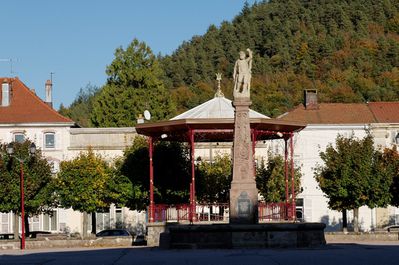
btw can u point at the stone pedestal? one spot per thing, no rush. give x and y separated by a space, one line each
275 235
243 192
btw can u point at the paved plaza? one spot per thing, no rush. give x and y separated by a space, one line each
366 253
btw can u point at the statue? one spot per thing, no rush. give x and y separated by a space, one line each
242 75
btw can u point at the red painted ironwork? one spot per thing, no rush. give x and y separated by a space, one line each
272 211
22 207
293 211
152 208
218 212
192 185
286 171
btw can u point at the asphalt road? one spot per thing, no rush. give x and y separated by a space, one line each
382 253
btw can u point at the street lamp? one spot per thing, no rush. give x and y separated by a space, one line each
32 151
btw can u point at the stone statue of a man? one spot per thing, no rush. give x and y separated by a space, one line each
242 75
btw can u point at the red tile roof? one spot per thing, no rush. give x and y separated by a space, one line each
332 113
385 112
26 107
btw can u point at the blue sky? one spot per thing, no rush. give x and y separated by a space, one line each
76 39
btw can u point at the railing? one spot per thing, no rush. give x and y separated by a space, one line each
267 212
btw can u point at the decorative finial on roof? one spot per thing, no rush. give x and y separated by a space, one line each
219 92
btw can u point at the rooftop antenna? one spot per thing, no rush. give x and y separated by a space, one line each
219 92
51 77
10 60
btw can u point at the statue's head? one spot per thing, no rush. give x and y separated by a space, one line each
242 55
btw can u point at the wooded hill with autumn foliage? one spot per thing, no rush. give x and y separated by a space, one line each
347 50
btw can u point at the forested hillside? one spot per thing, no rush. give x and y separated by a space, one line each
347 50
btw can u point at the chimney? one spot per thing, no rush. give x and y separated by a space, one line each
310 99
5 93
49 92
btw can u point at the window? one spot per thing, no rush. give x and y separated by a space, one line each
19 137
50 221
49 140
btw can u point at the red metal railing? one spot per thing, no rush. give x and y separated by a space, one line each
267 212
279 211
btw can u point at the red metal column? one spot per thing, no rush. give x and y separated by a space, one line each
293 203
286 174
192 186
22 207
152 208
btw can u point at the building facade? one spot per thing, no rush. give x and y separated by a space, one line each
23 115
325 122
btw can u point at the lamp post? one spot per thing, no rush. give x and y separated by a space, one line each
32 151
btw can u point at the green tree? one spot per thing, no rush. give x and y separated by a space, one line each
134 85
117 106
81 108
353 175
390 166
213 180
171 172
135 67
38 182
89 184
270 178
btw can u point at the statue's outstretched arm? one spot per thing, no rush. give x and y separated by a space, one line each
249 54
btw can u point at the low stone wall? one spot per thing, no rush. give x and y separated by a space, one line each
67 243
154 230
276 235
360 237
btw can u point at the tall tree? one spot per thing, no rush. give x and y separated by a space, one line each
38 188
353 176
135 67
134 85
89 184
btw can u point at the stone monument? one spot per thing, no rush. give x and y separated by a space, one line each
243 192
243 231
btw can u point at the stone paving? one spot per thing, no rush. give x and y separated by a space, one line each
366 253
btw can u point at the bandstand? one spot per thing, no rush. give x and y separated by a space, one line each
213 121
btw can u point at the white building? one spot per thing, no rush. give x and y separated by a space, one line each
23 115
324 122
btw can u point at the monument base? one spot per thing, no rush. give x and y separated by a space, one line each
274 235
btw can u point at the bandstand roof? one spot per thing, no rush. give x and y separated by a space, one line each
214 121
217 108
